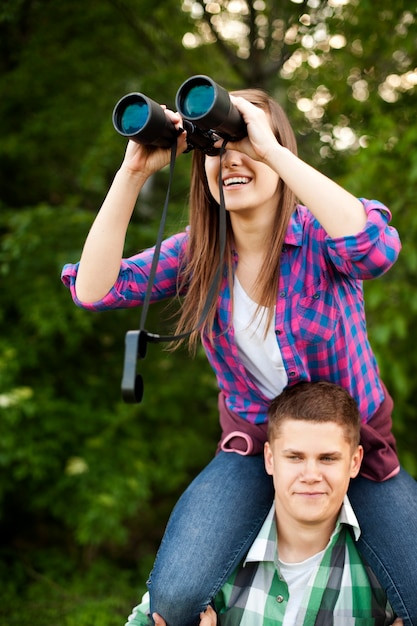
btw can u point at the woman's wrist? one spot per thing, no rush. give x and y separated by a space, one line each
132 177
274 156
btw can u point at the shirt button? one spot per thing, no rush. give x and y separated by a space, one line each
282 294
278 332
280 599
291 373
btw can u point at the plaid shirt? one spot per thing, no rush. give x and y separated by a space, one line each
342 590
320 319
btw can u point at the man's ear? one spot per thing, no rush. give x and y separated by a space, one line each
356 462
268 458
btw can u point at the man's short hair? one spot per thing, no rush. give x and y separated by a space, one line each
318 402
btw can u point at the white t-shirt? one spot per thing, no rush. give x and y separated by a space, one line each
260 355
296 576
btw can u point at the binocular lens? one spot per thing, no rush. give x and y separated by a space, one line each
133 118
198 101
205 107
143 120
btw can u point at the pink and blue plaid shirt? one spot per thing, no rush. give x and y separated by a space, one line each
320 319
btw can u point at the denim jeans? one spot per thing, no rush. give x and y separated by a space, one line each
387 515
219 515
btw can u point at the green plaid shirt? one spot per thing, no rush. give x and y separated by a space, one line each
342 591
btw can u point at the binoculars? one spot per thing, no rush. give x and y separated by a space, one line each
206 109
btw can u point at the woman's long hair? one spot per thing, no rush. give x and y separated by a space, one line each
203 246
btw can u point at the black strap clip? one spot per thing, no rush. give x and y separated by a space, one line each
136 345
136 342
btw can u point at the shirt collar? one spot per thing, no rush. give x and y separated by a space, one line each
347 516
265 545
294 234
264 548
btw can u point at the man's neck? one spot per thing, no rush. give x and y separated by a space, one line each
299 541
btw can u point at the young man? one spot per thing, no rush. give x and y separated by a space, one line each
303 568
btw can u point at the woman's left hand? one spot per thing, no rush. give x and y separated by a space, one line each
260 139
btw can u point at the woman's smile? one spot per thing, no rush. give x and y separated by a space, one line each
232 182
241 173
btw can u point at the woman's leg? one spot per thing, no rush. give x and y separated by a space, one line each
387 514
210 529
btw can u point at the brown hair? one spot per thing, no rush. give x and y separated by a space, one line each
318 402
203 246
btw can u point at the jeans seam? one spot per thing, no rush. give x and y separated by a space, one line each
232 550
237 557
394 586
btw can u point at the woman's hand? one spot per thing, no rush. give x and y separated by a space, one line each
337 210
260 139
149 159
102 253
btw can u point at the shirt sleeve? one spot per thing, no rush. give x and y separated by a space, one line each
140 614
130 287
371 252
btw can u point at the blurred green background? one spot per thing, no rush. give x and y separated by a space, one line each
87 481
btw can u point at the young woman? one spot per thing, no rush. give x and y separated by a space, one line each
289 307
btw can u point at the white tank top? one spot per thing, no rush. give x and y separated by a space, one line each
260 355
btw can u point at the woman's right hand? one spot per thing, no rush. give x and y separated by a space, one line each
149 159
102 253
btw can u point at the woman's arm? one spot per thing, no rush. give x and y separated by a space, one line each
338 211
103 248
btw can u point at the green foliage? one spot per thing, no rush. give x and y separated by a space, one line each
69 445
63 67
52 590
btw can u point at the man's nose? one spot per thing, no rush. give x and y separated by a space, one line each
311 471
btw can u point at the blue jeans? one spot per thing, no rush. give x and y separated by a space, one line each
387 515
219 515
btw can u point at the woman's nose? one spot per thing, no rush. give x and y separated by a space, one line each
232 158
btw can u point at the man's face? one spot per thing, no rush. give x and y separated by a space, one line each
311 465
